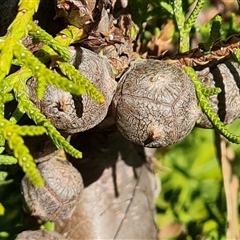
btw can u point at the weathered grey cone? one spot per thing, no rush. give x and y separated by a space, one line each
155 103
39 235
78 113
57 199
224 74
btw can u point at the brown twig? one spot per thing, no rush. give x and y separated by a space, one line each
231 183
220 50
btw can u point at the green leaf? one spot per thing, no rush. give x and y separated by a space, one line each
214 35
46 38
2 209
60 141
3 176
185 26
19 27
208 92
73 74
30 130
6 57
7 160
20 151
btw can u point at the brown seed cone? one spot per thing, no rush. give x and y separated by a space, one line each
57 199
78 113
224 74
39 235
155 104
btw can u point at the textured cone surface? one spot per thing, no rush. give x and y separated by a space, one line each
56 200
78 113
39 235
224 74
155 104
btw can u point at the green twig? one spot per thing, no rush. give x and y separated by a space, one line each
12 133
185 26
214 35
46 38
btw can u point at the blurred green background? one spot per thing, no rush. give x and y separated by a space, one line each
192 203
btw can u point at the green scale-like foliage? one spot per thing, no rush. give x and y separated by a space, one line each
43 74
185 26
214 35
6 159
13 86
73 74
42 36
1 209
12 133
